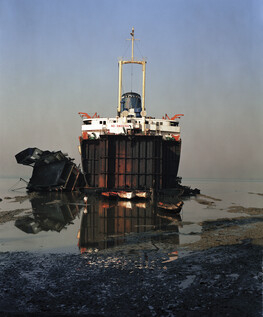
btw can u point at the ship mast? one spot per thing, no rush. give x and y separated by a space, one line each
132 61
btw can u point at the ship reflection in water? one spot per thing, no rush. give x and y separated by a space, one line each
108 224
104 224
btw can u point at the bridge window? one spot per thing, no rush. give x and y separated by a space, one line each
88 122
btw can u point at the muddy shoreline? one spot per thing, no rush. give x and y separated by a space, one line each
218 275
221 281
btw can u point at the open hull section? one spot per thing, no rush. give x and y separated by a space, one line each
130 162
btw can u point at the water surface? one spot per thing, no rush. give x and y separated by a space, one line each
62 223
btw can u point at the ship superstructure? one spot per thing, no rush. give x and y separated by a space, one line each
130 125
131 150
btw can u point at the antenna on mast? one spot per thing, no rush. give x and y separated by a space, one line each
132 39
132 34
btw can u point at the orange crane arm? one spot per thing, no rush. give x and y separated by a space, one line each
166 117
177 116
84 114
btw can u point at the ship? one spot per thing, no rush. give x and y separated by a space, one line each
131 151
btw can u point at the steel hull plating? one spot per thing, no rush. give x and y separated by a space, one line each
130 162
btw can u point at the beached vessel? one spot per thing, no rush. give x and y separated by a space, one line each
126 195
171 208
131 151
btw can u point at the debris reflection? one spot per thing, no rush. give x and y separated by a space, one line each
50 211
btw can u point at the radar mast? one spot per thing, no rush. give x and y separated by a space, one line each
132 61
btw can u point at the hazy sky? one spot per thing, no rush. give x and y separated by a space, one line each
204 59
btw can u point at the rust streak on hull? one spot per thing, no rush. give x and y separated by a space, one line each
134 162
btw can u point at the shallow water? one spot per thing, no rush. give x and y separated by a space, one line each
61 223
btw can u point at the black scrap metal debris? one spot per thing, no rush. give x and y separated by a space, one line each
52 171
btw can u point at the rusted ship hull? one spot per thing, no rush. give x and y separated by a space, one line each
130 162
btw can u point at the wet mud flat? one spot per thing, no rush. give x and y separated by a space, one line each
220 274
220 281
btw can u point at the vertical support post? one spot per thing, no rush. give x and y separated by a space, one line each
132 47
120 87
132 39
143 85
